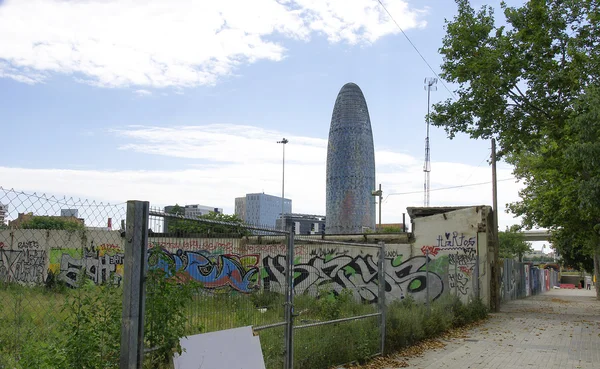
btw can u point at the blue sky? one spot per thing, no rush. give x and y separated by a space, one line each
184 101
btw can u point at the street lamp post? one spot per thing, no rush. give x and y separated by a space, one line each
284 141
379 194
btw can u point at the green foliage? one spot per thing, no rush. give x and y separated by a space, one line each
87 330
93 327
531 82
512 244
49 222
408 322
390 229
267 299
168 293
229 224
331 305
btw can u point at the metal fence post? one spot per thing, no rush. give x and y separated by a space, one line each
134 265
477 276
289 301
427 281
381 297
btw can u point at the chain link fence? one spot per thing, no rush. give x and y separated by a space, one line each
86 284
51 250
339 302
233 281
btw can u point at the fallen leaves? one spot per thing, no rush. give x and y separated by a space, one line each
381 362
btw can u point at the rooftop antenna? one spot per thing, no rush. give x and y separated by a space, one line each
429 86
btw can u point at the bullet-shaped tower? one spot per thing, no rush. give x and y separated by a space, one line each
350 205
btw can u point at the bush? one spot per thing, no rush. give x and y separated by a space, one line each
409 322
168 292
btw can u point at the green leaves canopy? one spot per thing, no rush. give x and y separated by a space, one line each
50 222
512 244
532 83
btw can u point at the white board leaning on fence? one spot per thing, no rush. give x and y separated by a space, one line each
236 348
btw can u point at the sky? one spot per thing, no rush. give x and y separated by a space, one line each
184 101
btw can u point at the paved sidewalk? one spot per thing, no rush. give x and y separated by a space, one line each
559 329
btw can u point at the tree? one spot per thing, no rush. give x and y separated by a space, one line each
532 85
512 244
221 224
50 222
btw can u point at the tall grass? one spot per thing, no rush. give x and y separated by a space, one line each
37 325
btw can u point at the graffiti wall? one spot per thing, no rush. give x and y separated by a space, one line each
460 237
446 245
519 280
30 256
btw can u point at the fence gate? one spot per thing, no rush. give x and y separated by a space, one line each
233 276
338 302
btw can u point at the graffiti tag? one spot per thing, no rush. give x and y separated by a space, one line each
432 250
25 266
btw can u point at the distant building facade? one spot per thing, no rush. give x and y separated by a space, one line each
261 209
304 223
194 210
3 212
69 213
190 211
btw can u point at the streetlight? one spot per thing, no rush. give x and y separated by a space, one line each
380 194
284 141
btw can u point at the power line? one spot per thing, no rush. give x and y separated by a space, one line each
416 49
447 188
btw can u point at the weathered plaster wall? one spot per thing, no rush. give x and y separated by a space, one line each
452 240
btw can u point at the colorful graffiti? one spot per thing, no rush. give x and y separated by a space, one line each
358 274
24 265
239 273
100 263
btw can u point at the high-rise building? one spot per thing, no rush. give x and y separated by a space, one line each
350 205
261 209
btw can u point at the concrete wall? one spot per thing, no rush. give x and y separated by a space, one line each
459 237
452 240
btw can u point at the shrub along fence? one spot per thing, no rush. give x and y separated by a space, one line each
96 296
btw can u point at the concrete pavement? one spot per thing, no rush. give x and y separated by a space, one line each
559 329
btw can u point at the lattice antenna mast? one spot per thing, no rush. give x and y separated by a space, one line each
430 85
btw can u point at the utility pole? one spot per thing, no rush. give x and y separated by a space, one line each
495 285
379 193
284 141
429 86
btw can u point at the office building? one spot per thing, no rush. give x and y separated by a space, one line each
304 223
350 205
261 209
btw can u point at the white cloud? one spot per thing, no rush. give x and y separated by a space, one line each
234 160
142 92
179 43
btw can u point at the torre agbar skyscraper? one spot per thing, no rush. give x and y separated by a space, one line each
350 165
